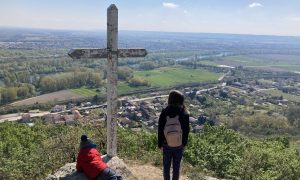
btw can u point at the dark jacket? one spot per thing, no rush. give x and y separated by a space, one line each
172 111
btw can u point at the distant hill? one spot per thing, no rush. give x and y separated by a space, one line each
43 38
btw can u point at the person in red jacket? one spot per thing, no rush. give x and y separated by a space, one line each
90 162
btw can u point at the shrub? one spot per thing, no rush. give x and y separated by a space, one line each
125 73
136 81
215 149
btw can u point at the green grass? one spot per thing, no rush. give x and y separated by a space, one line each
84 91
169 76
278 61
244 60
124 87
287 96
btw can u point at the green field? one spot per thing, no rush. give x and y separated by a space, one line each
244 60
84 91
168 76
162 77
287 96
124 87
278 61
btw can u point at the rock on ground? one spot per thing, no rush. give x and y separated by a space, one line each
68 171
134 171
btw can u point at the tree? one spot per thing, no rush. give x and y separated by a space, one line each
23 91
125 73
147 65
31 88
9 94
23 77
47 84
293 115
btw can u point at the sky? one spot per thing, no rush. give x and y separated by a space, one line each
265 17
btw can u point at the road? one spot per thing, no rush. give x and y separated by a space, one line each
17 116
266 89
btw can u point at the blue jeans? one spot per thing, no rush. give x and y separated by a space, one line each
108 174
170 154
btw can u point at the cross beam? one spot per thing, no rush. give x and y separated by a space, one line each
103 53
111 53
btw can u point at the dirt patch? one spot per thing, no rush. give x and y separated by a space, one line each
55 96
147 171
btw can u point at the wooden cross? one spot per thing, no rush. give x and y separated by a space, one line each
111 53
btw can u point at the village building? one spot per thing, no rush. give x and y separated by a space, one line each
69 119
25 118
52 118
58 108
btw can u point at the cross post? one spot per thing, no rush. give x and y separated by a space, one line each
111 53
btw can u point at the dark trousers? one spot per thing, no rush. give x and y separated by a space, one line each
172 155
108 174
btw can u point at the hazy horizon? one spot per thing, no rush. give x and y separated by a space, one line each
133 30
257 17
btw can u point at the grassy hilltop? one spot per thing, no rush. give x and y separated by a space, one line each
217 151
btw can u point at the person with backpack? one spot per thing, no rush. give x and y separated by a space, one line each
173 130
90 162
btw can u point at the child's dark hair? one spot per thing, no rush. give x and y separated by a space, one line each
176 98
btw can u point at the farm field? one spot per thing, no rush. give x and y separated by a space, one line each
278 93
278 61
55 96
169 76
123 87
84 91
210 63
241 60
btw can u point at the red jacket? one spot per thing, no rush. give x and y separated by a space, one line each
89 161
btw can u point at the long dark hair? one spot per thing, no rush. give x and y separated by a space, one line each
176 98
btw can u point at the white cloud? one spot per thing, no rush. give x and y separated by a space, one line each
170 5
255 5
